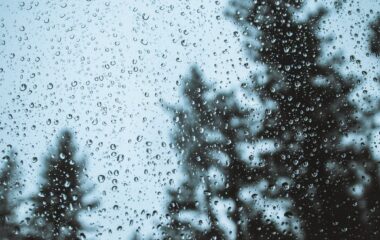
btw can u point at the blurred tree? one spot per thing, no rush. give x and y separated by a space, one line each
308 113
372 192
210 128
190 143
9 230
60 200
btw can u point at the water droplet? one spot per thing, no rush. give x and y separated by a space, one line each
101 178
120 157
67 184
288 214
23 87
145 16
285 185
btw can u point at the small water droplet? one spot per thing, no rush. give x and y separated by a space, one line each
23 87
101 178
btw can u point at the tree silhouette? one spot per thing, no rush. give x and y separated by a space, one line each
189 138
60 200
371 193
9 230
209 129
308 115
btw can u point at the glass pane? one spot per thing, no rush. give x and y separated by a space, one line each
228 119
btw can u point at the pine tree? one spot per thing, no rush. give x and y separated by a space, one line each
308 116
60 200
9 230
189 139
209 128
371 193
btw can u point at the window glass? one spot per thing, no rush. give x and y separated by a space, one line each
222 119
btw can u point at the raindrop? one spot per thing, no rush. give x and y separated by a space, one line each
101 178
145 16
288 214
120 157
23 87
285 185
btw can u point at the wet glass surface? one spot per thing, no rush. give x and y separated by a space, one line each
229 119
